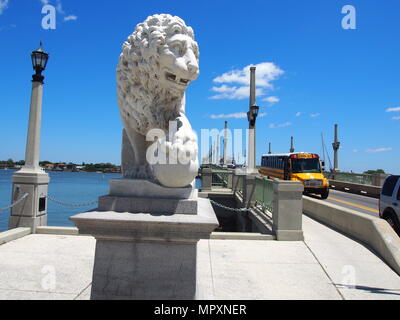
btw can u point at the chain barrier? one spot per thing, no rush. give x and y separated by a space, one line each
229 209
72 205
257 206
15 203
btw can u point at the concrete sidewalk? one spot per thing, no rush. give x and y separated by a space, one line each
327 265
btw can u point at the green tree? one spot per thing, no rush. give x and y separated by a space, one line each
375 171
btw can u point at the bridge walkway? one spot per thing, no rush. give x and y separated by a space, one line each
327 265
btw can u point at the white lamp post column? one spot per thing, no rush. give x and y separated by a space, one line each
31 179
252 117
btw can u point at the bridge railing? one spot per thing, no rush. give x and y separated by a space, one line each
278 200
220 178
350 177
376 179
264 194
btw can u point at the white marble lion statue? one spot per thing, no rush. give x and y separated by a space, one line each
157 63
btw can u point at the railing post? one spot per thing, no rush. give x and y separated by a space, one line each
235 180
206 179
230 179
249 191
378 179
288 210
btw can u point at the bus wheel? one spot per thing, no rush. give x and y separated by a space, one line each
325 194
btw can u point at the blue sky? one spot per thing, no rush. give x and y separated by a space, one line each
312 74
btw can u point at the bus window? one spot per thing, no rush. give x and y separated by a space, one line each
306 166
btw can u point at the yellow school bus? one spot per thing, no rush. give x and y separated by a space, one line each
303 167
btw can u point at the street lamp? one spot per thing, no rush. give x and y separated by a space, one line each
31 179
252 115
39 62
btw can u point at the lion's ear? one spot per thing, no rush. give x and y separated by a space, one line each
190 32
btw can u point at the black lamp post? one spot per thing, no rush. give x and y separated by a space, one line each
252 115
31 179
39 63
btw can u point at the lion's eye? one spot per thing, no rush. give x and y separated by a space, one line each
177 48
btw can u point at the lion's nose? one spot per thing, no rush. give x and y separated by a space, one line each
192 64
193 67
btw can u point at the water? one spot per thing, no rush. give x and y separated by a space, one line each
69 187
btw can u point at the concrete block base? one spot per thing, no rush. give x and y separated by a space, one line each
146 256
30 213
27 222
138 205
144 271
289 235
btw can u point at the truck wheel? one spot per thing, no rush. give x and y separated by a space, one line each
392 220
325 194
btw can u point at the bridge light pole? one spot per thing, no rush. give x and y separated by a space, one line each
252 118
31 179
336 146
291 145
225 144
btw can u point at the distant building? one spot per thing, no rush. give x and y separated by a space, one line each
49 166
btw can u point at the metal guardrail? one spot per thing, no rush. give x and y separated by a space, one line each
264 194
356 178
220 178
240 186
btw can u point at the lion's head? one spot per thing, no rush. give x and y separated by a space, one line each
157 63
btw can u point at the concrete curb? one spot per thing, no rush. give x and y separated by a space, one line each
241 236
14 234
371 231
60 231
361 189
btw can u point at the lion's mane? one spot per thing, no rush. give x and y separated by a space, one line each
144 105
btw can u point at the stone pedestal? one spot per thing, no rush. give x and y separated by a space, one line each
206 179
31 212
288 210
147 256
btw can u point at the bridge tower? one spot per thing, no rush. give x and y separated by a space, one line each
336 146
225 143
270 148
291 145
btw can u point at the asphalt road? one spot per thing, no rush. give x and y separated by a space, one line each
355 202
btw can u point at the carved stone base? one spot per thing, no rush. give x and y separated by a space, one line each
142 196
148 189
148 205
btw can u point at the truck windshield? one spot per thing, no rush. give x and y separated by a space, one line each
306 166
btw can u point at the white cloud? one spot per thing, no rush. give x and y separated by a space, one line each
378 150
239 115
355 150
396 118
266 73
315 115
44 2
3 6
233 93
397 109
281 125
271 100
71 18
298 114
